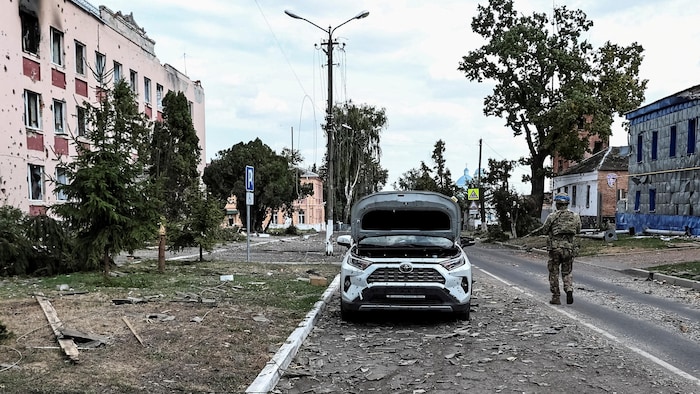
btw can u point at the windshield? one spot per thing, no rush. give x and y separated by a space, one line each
406 241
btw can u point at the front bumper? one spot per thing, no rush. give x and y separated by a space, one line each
429 287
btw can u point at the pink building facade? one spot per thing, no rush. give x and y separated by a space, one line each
309 212
56 54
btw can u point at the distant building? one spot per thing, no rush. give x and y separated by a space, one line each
308 213
664 186
55 55
595 185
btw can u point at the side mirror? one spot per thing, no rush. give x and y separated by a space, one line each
345 240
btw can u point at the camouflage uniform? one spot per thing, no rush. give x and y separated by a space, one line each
561 226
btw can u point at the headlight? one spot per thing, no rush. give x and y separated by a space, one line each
358 262
453 263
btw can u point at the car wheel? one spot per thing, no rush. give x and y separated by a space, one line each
464 315
346 314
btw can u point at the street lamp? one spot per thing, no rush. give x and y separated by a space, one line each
329 124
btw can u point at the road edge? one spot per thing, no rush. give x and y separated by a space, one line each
268 378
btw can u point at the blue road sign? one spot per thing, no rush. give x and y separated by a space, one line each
249 178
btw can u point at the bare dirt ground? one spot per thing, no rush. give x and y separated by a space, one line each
512 344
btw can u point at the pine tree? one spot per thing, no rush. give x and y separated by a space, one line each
110 203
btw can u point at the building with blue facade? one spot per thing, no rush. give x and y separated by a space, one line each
664 176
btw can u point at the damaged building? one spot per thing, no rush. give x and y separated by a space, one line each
664 181
57 55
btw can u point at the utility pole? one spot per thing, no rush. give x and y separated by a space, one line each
329 124
481 194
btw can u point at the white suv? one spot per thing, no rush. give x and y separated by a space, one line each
404 253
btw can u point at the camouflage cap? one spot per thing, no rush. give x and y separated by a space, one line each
561 198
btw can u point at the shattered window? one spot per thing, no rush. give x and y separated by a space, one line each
146 90
36 182
133 81
32 110
61 179
30 32
59 116
117 72
56 47
159 96
79 58
100 63
82 121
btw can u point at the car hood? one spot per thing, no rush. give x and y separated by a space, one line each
406 212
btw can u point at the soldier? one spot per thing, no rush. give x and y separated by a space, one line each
561 226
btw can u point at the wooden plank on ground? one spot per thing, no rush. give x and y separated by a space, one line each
66 344
128 324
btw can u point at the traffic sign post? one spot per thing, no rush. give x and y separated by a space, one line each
249 200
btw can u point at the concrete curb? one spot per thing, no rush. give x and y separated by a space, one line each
267 379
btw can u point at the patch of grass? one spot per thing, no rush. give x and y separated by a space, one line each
259 285
689 270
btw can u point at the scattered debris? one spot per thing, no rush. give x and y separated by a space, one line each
128 300
66 344
131 328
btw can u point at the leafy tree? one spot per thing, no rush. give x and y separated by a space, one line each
275 184
551 86
357 170
110 205
436 179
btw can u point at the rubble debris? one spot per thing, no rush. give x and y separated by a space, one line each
67 344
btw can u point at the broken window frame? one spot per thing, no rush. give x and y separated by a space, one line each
61 179
35 178
133 81
81 115
59 116
31 34
57 47
159 96
117 72
147 90
100 67
32 110
80 61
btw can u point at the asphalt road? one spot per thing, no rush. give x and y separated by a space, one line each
603 302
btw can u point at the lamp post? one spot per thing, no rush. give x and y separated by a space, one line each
329 124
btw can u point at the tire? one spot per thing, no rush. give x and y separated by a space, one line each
346 314
464 315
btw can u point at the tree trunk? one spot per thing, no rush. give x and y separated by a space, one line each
537 182
105 263
201 256
161 253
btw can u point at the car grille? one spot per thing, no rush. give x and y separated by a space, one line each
417 275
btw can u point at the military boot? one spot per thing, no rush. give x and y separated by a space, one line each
555 300
570 297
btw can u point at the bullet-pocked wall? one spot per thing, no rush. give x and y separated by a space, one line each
54 52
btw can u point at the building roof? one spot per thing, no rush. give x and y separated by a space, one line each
683 98
614 158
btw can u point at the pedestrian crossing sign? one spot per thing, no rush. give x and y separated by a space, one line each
473 194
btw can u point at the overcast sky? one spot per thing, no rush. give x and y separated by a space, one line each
263 77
